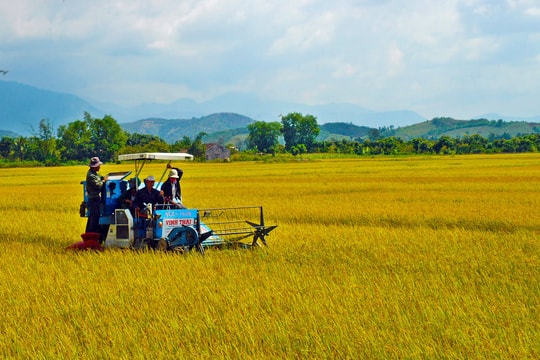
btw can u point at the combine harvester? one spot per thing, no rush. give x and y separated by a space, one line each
165 226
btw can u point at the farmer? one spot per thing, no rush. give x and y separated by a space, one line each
171 190
148 195
94 184
127 199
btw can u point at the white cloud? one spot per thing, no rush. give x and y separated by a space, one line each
395 59
479 48
533 11
311 33
344 70
418 55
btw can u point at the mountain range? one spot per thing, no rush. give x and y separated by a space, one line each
264 110
173 130
23 106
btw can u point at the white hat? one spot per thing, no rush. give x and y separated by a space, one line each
173 174
150 178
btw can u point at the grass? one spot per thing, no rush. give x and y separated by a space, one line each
407 257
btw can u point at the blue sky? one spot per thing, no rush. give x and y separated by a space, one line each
438 58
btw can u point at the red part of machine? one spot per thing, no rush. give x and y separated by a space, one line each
90 242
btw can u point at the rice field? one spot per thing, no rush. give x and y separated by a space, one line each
384 257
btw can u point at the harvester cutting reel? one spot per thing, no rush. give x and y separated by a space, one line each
259 233
235 226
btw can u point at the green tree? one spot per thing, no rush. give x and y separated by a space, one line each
387 146
374 134
263 136
444 145
32 151
197 148
422 146
471 144
145 143
74 141
20 148
107 136
182 145
46 144
299 129
299 149
136 139
7 146
82 139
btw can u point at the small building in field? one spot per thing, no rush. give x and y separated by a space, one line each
217 151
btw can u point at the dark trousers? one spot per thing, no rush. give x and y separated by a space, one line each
92 225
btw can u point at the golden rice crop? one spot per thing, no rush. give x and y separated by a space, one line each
391 257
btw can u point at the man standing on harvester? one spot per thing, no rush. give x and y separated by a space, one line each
171 191
94 184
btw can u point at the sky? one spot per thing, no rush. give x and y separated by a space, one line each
455 58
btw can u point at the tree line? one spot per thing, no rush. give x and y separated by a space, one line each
80 140
300 132
295 134
444 145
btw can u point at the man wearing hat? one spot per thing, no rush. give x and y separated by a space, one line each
148 195
94 184
171 190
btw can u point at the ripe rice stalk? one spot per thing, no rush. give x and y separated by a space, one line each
391 257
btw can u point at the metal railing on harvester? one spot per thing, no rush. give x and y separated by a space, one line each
242 225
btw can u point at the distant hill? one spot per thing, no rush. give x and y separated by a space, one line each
337 131
493 116
435 128
22 107
230 128
236 137
8 133
172 130
263 110
227 128
330 131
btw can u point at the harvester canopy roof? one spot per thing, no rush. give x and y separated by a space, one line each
142 158
156 156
